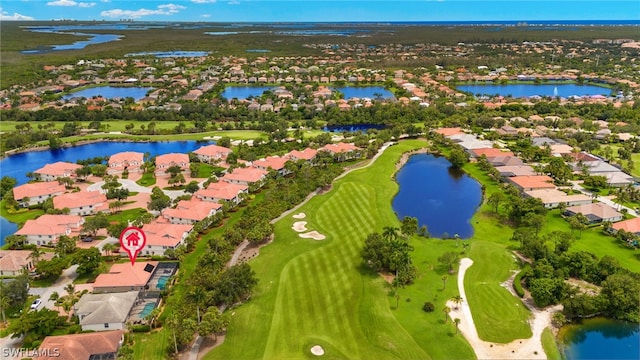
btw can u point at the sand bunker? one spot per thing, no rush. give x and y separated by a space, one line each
299 226
317 350
299 216
312 235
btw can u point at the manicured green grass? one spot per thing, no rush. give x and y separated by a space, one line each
550 346
20 216
319 290
151 346
126 215
499 316
594 241
147 179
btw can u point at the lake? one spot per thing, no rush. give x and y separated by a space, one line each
18 165
440 197
169 54
111 92
364 92
243 92
563 90
601 339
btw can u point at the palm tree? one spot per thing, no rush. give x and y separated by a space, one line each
5 303
390 232
36 254
444 282
198 295
54 297
446 311
457 322
457 300
71 291
151 317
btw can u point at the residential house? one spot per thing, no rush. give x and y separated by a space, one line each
47 229
164 162
275 163
36 193
532 182
631 226
245 176
560 149
222 191
212 153
490 152
125 277
82 202
129 160
13 262
87 346
190 211
307 154
551 198
515 170
51 172
162 236
595 212
103 312
505 161
343 151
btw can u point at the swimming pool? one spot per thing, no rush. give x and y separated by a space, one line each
148 308
162 282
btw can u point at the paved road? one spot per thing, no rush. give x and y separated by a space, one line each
67 277
126 184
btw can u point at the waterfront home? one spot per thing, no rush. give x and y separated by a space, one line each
490 152
51 172
449 131
552 198
86 346
125 277
212 153
498 161
163 162
190 211
14 262
162 236
342 151
36 193
276 163
47 229
532 182
307 154
222 191
129 161
103 312
515 170
245 176
595 212
82 202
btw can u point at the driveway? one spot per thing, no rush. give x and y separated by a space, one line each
604 199
67 277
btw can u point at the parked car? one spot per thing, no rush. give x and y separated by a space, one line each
36 303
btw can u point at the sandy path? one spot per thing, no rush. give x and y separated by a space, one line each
530 348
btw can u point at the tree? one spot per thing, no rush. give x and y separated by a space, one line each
65 246
448 259
18 289
174 170
109 248
94 223
54 297
152 316
444 282
578 222
622 292
409 226
390 233
212 323
446 311
457 299
51 269
7 183
534 221
458 158
457 322
559 170
35 325
158 200
234 284
5 302
192 187
495 200
88 260
36 254
198 295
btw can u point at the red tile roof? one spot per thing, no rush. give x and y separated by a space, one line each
49 224
491 152
127 156
214 151
339 148
273 162
33 190
125 275
172 159
533 182
80 346
631 225
449 131
164 234
59 169
306 154
15 260
221 190
248 175
78 199
191 210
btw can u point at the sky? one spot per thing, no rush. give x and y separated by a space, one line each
319 10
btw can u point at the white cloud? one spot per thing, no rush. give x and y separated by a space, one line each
203 1
168 9
234 2
70 3
205 15
4 16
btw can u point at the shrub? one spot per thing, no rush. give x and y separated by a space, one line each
428 307
140 328
517 284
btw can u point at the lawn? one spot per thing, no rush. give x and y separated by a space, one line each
550 346
147 179
20 216
319 290
126 215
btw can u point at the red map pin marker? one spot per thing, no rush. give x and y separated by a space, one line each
132 240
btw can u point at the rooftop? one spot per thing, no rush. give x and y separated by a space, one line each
81 346
125 275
